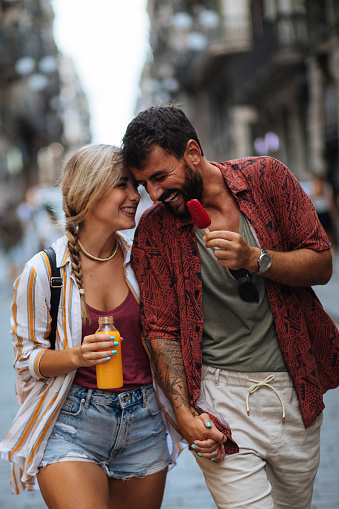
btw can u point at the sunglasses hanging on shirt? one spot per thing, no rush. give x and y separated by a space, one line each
247 289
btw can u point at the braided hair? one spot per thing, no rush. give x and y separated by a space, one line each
86 177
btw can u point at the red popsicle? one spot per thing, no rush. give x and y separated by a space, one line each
199 215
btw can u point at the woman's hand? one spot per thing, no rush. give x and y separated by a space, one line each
203 437
96 349
209 448
214 451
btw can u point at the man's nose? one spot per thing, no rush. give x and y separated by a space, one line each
154 190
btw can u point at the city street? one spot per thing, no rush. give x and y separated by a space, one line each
185 484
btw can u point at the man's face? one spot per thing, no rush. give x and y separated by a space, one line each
171 181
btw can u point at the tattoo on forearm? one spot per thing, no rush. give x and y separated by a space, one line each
168 360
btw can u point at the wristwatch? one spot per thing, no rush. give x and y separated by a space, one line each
264 261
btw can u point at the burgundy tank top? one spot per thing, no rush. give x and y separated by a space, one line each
135 363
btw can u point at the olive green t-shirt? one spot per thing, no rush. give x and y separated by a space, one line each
237 335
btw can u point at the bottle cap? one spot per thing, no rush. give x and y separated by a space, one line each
105 319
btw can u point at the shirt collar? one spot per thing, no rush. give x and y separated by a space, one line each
232 175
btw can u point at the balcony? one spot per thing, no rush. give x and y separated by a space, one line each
275 57
230 36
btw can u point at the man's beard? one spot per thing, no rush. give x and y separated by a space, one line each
193 188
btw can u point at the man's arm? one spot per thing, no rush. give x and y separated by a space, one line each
159 316
169 364
302 267
303 257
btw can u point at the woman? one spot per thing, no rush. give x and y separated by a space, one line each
83 443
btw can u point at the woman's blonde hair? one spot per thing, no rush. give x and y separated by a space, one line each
86 177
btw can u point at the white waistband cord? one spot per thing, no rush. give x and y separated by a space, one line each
265 383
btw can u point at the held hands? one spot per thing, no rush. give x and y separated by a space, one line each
96 349
204 438
232 250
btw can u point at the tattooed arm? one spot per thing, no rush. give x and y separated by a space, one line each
169 364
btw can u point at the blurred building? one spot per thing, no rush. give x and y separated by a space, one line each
43 110
254 76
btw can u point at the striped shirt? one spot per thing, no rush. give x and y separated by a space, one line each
25 442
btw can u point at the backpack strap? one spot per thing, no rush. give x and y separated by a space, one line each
56 284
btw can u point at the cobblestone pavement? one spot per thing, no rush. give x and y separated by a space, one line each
185 487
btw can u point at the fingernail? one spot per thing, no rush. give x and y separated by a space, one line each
195 442
112 337
116 343
199 454
193 446
114 352
108 358
212 459
208 424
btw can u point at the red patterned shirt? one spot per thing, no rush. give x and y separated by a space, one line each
166 261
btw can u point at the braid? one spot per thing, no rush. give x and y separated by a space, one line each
72 235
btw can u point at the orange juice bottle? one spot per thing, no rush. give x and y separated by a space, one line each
109 374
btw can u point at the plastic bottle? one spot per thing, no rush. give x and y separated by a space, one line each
109 374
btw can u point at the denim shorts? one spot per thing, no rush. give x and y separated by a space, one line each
123 433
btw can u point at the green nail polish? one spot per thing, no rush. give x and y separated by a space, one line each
114 352
212 459
199 454
112 337
193 446
195 442
108 358
116 343
208 424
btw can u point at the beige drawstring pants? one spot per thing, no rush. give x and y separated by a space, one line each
277 461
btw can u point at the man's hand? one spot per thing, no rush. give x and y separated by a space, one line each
301 267
232 250
198 431
203 437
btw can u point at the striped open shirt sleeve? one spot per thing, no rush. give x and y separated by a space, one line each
30 320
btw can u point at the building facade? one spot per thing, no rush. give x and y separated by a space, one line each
254 76
38 88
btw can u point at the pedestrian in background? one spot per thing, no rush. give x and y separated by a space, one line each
237 335
11 239
88 447
321 193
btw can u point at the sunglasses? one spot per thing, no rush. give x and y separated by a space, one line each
247 290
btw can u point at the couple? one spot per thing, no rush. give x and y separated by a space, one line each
240 358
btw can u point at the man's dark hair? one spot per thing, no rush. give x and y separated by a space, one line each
163 126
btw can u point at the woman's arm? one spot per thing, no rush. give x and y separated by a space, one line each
90 353
30 322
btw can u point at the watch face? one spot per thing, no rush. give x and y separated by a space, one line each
265 261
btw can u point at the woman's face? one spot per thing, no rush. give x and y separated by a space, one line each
117 208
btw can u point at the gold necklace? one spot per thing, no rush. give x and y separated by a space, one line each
95 258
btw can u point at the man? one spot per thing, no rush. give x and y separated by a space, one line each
241 345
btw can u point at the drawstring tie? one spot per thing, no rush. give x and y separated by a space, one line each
265 383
